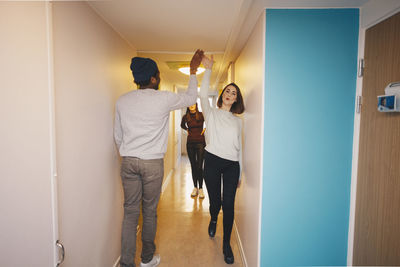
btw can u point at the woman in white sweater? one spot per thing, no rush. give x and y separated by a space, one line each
223 155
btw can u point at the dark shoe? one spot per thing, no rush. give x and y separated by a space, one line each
228 254
212 228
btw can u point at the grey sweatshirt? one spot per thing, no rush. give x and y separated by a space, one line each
223 129
142 120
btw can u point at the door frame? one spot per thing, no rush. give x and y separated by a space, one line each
52 129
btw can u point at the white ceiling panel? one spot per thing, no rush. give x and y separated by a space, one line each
171 25
171 30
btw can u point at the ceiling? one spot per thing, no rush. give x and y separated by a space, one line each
169 31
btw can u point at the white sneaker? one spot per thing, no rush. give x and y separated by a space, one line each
194 192
153 263
201 193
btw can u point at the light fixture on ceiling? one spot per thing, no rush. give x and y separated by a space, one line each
186 70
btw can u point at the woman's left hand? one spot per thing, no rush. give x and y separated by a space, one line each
207 62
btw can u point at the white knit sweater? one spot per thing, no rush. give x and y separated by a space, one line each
223 129
142 120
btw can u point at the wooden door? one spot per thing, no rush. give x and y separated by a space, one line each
377 221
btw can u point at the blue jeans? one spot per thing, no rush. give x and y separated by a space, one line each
142 181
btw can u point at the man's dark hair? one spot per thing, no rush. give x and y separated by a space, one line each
143 69
144 83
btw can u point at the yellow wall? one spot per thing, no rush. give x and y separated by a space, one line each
170 155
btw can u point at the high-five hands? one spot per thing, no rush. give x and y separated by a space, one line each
196 60
208 62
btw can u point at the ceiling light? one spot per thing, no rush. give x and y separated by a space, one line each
186 70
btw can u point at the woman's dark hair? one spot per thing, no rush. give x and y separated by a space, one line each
198 115
238 106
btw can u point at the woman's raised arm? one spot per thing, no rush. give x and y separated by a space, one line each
205 84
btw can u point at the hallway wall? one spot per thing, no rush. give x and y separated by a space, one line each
311 65
249 75
91 71
170 156
26 235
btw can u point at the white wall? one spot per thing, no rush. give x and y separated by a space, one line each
376 10
249 76
26 235
91 66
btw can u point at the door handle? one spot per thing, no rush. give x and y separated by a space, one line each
59 245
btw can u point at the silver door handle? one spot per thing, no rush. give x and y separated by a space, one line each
58 244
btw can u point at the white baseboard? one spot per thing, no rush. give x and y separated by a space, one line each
116 264
240 246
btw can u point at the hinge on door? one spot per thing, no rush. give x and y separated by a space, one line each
360 72
358 104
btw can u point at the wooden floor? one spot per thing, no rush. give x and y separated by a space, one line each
182 239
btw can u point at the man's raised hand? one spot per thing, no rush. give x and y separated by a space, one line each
196 60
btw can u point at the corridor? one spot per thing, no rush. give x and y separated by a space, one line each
182 239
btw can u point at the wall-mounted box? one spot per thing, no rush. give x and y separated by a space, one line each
390 102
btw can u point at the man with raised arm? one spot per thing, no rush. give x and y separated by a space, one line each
141 135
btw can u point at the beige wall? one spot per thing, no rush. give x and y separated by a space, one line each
249 75
26 235
91 69
171 154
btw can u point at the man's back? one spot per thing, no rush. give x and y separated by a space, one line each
141 120
144 116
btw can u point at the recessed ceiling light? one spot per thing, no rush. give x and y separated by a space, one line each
186 70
